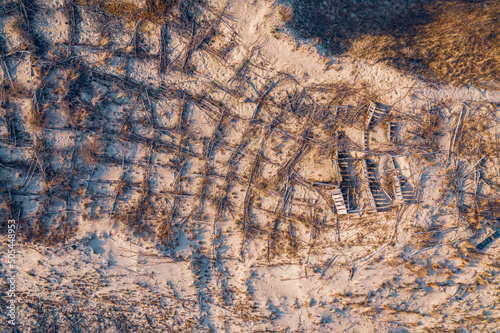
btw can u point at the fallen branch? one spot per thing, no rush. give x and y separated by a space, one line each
452 142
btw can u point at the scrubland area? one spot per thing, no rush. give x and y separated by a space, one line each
283 166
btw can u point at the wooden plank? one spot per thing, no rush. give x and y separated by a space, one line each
366 137
339 202
336 165
369 190
481 246
341 142
399 193
371 111
392 131
461 290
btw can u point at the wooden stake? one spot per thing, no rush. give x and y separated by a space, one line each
450 149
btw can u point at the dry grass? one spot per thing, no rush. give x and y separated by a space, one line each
469 143
35 119
429 130
487 208
388 182
425 237
460 45
375 48
155 11
11 89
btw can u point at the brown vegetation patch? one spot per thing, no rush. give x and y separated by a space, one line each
454 41
154 10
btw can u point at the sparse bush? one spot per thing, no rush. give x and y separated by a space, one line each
430 128
469 143
90 150
286 13
425 237
155 11
462 42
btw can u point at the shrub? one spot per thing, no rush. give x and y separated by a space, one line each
90 150
462 42
154 10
